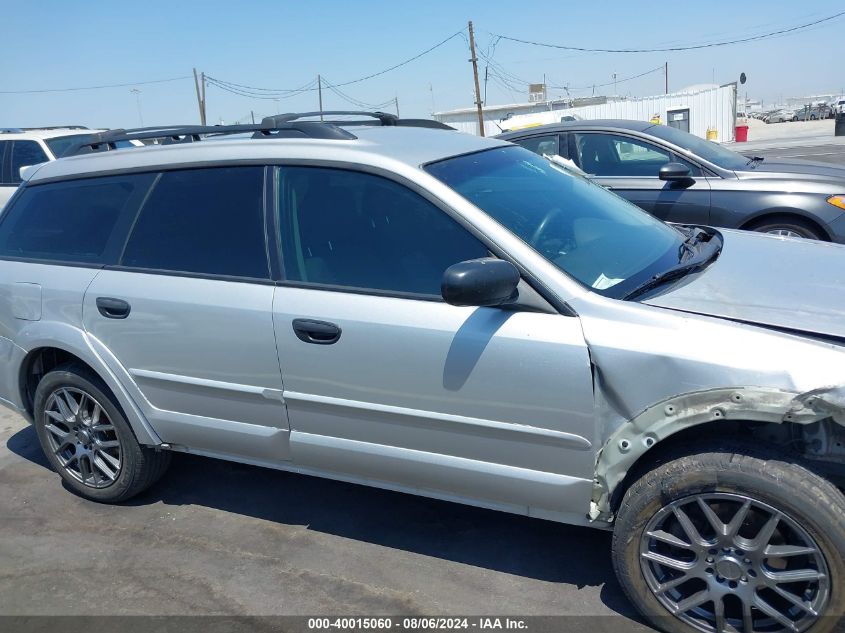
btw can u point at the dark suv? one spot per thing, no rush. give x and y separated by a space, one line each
682 178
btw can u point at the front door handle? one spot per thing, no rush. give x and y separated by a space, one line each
112 308
317 332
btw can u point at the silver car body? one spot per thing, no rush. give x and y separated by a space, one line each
534 412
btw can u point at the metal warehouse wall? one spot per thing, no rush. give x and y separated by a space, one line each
710 108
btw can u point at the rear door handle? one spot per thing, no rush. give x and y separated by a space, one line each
113 308
317 332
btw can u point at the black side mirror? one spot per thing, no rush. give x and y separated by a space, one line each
479 282
675 171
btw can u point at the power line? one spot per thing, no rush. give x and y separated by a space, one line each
609 83
356 102
250 91
123 85
266 96
675 48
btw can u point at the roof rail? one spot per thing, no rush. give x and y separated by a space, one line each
279 126
384 118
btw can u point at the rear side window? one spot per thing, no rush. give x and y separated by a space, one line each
5 148
24 154
75 221
208 221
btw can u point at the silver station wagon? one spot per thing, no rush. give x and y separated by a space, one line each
377 301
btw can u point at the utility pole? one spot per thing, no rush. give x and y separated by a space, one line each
666 77
614 84
474 61
252 114
396 103
320 94
200 95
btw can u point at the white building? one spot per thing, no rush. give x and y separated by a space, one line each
708 111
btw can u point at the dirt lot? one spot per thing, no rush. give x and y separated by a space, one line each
221 538
759 131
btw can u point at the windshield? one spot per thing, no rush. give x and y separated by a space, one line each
593 235
695 146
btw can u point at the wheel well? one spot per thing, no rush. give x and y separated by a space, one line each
36 364
787 216
786 436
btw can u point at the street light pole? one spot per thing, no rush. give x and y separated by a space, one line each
138 102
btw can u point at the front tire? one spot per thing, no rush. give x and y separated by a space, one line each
88 441
787 226
729 537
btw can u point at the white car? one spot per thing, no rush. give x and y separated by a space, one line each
21 148
838 105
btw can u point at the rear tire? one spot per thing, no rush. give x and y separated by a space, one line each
727 566
87 440
787 226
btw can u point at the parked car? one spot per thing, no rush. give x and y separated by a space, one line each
679 177
451 316
813 112
23 147
839 105
780 116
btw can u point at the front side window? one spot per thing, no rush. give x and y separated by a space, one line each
542 145
608 155
356 230
593 235
24 154
71 221
208 221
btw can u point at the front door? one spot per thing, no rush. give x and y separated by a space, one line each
385 382
629 166
186 317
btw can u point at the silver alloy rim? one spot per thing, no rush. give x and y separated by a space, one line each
727 562
784 233
82 437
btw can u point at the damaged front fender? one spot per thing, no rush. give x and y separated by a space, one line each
660 421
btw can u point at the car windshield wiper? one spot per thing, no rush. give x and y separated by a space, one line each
703 255
753 160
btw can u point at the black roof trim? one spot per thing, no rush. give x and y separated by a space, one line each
277 126
383 118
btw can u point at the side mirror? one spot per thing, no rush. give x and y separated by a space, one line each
479 282
675 171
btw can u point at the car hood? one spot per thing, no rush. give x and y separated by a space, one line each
774 281
813 170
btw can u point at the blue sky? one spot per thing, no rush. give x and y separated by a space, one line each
51 44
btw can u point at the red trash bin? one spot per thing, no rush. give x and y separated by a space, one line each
741 133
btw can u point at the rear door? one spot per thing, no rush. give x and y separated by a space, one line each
186 316
629 166
386 382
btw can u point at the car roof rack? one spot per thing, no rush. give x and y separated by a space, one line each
278 126
383 118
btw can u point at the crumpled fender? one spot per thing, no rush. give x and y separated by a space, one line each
754 404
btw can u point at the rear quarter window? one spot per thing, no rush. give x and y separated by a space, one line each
75 221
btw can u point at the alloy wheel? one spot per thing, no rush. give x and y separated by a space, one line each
727 562
82 437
